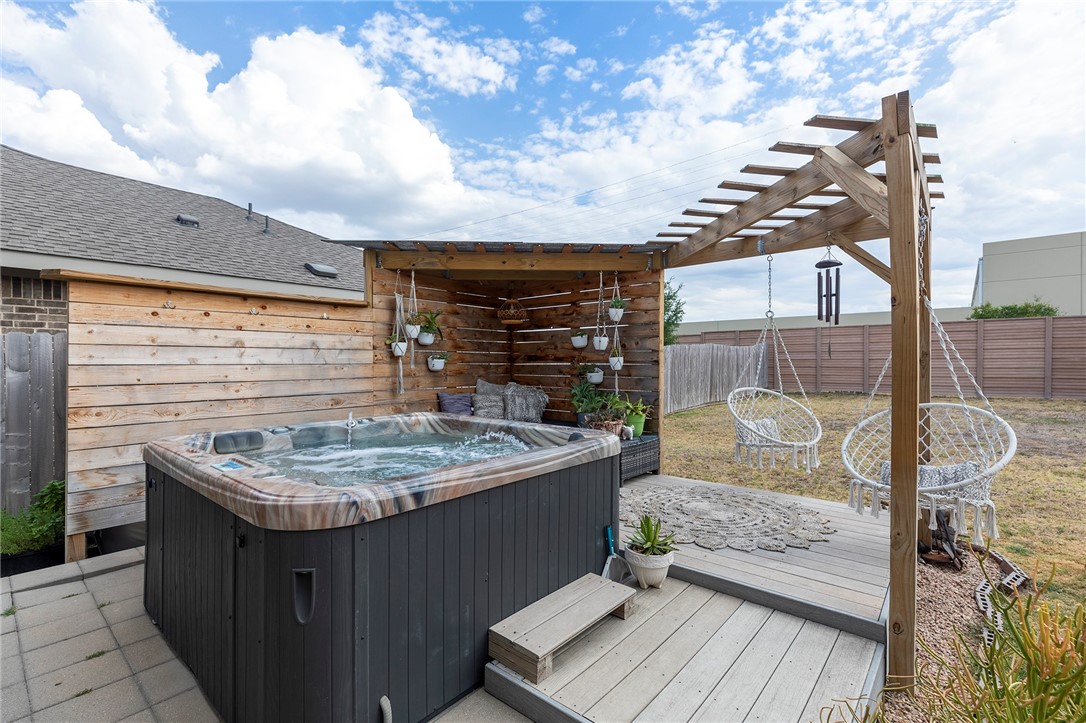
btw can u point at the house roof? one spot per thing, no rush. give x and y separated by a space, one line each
60 210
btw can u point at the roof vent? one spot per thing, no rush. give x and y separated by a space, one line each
328 272
186 220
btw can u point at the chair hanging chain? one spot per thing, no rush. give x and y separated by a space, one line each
922 235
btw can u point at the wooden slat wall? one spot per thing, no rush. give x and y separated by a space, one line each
1035 357
147 363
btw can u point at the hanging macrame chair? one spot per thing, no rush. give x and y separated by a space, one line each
768 420
962 448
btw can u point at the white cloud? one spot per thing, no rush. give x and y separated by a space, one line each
579 72
544 73
694 9
533 14
615 66
557 47
444 61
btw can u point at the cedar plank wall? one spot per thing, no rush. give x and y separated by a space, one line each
147 363
538 353
1012 362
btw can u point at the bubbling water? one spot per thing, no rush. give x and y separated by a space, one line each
375 458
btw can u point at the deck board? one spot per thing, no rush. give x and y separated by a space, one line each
848 572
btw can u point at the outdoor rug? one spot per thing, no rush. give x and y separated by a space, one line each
718 517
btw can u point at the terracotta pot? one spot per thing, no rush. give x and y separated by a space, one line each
650 570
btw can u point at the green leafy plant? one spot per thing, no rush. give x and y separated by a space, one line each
393 338
8 611
578 332
618 303
638 407
611 408
440 355
616 351
415 319
38 526
429 323
1014 311
647 540
585 398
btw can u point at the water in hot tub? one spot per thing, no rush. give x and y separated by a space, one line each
373 458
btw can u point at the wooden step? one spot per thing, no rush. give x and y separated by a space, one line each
527 641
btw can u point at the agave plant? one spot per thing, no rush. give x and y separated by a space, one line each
646 538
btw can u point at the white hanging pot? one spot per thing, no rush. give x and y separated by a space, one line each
399 348
594 377
614 313
579 341
650 570
426 338
435 364
616 362
600 343
411 330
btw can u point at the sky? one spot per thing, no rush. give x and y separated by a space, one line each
568 121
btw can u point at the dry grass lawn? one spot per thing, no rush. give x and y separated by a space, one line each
1040 497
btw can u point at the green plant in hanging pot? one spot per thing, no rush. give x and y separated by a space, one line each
616 358
412 325
429 328
590 373
650 553
636 414
396 343
436 361
615 309
578 338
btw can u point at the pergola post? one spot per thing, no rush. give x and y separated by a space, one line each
904 194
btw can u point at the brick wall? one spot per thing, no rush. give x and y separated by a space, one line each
30 304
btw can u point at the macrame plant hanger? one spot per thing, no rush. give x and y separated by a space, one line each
412 313
399 330
601 323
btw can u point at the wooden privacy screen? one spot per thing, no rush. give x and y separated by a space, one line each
1038 357
147 363
537 353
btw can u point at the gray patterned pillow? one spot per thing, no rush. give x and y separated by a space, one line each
485 387
524 404
491 406
454 403
928 476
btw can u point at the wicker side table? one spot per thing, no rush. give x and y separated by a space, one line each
640 456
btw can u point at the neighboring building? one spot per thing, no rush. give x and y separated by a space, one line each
1051 268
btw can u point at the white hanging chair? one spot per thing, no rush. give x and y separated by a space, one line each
768 420
962 448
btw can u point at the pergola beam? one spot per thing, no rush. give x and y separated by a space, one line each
514 261
860 185
860 254
865 148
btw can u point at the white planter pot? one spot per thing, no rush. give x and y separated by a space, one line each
580 341
614 314
600 343
594 377
616 362
435 365
650 570
411 330
425 338
399 348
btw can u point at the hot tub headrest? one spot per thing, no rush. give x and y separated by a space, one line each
317 435
234 442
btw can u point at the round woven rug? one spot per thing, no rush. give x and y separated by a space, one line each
718 517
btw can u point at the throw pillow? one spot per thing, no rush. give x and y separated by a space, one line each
454 403
524 404
484 387
491 406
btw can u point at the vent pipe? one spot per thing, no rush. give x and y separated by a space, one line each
249 216
266 221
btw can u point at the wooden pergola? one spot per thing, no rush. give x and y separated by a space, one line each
799 212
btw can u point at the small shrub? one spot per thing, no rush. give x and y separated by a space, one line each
39 525
1014 311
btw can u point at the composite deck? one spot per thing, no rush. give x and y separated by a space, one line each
732 635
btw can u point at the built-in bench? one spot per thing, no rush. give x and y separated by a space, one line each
527 641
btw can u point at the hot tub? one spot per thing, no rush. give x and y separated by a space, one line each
309 597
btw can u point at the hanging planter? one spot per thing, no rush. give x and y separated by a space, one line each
429 328
511 312
412 326
436 362
616 358
614 311
397 345
595 376
579 339
600 342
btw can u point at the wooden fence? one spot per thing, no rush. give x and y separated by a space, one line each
1038 357
34 380
702 374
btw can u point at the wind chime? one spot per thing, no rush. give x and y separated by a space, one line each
829 291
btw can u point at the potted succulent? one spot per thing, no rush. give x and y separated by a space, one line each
616 358
636 414
429 328
600 342
412 325
614 311
591 373
586 400
611 415
579 338
396 343
436 361
34 538
650 554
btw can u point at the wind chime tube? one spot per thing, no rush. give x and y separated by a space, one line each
819 300
837 297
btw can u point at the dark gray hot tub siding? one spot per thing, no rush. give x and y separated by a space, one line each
402 604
